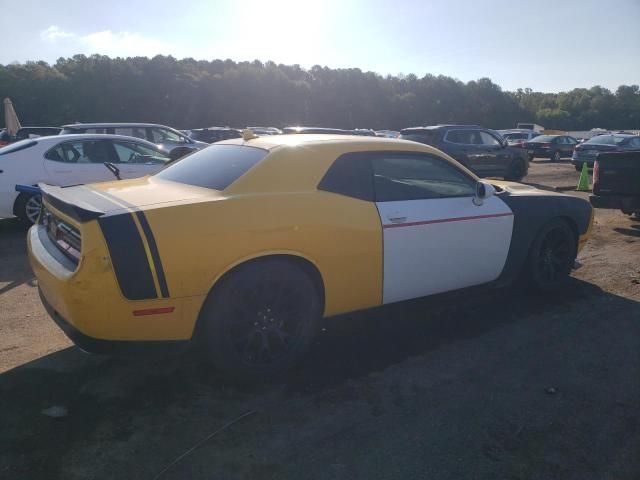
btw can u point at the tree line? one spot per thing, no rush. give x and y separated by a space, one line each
192 93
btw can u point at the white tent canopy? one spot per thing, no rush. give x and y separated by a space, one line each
11 122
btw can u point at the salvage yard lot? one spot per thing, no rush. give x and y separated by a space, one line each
500 384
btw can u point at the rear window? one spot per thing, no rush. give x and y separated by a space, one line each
544 138
21 145
607 139
216 166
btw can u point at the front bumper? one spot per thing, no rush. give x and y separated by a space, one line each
616 202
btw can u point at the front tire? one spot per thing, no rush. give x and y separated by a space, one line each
260 320
552 256
27 207
556 157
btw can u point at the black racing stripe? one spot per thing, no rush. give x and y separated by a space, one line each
162 282
128 256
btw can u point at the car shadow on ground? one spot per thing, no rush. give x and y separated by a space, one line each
13 247
107 396
634 231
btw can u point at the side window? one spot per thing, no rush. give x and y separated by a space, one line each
99 151
399 176
56 154
464 137
162 135
129 152
635 143
488 139
571 141
350 175
130 132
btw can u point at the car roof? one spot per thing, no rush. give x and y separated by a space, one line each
91 136
108 125
270 142
439 127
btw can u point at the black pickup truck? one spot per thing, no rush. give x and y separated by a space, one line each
616 182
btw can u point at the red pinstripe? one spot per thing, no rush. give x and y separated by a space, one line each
446 220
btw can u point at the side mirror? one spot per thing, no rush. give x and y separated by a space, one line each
484 190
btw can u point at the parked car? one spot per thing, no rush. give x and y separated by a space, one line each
69 160
167 138
481 150
214 134
265 130
616 182
387 133
5 138
305 228
588 151
31 132
517 138
329 131
553 147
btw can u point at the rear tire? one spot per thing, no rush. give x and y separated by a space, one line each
552 256
27 207
260 320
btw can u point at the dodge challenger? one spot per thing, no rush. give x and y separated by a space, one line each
243 247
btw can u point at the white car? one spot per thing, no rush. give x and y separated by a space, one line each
64 160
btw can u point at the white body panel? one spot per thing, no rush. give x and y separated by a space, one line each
29 167
436 245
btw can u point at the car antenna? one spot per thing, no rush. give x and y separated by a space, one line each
113 169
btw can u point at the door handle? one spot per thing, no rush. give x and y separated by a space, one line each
397 219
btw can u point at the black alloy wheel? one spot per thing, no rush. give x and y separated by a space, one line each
552 255
260 320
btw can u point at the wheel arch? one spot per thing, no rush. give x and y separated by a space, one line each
307 265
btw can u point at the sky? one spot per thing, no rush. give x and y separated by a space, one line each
545 45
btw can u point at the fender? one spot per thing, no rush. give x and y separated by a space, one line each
531 212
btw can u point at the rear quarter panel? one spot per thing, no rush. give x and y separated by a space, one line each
341 236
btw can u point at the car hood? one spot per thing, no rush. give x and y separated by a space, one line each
520 188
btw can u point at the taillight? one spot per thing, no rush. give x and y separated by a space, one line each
545 145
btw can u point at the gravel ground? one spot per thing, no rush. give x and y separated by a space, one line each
501 384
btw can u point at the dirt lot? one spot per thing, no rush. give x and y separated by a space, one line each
500 385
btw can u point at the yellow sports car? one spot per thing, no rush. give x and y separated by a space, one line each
247 244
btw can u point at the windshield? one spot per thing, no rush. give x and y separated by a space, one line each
216 166
607 139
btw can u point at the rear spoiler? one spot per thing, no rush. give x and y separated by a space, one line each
72 201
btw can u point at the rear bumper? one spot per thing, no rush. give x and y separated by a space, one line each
97 345
579 161
616 202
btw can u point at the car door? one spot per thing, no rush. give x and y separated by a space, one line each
435 238
137 160
466 147
497 156
79 161
570 145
